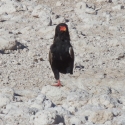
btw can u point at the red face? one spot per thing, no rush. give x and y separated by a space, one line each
62 28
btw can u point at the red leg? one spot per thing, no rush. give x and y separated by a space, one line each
58 84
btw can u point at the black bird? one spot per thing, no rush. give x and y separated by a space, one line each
61 54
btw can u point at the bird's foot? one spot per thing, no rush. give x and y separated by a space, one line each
58 84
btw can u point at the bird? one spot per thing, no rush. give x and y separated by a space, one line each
61 53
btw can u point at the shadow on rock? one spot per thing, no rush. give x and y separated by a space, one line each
59 119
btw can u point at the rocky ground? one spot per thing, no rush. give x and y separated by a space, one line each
94 94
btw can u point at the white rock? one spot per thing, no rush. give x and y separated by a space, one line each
1 121
1 62
30 8
113 42
49 36
54 94
7 16
58 3
120 120
90 11
104 100
74 34
61 111
26 30
47 32
37 106
4 100
8 8
107 101
40 102
45 18
114 28
7 43
122 99
58 20
108 123
118 1
117 7
18 113
107 16
102 0
75 121
40 98
47 104
80 7
8 92
100 117
44 13
45 117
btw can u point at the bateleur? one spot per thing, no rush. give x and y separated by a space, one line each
61 54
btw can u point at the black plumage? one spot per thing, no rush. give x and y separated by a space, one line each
61 54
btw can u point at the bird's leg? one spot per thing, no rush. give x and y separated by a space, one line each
56 74
57 84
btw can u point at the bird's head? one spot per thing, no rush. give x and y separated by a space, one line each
62 31
62 28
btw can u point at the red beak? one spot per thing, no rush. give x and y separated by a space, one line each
62 28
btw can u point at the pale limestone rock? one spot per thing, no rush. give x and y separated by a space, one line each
80 7
7 43
104 100
102 1
90 11
45 18
114 42
117 7
8 92
4 100
75 120
40 102
7 8
108 123
1 121
119 120
58 20
100 117
58 3
26 30
47 32
17 114
118 1
1 62
54 94
45 117
44 13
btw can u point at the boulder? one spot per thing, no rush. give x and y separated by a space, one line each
7 8
7 43
44 13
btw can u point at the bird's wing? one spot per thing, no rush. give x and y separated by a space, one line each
71 52
50 57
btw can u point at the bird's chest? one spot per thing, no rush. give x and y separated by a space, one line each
61 52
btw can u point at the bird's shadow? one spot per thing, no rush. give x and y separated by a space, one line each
16 47
20 45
